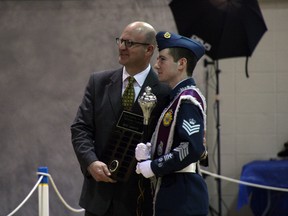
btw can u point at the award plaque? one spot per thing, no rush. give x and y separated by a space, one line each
119 154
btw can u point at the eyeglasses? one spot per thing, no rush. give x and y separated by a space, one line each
128 43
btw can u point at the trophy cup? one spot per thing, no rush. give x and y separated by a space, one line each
119 154
147 103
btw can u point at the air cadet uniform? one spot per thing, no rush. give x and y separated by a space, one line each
177 144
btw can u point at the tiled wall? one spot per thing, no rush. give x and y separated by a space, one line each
254 110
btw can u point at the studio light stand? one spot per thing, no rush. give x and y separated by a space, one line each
218 143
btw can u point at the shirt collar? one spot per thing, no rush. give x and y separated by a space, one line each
139 77
182 84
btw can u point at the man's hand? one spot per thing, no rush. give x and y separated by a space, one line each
100 172
143 151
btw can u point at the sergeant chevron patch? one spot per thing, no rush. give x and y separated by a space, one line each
183 150
190 127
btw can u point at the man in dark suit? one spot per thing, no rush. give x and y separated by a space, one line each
97 116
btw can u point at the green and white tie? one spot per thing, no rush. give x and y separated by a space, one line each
129 94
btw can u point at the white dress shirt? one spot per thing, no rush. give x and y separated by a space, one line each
139 78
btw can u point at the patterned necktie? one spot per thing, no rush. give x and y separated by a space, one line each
128 95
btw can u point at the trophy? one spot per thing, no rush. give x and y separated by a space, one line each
119 154
147 103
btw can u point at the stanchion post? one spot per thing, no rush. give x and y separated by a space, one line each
43 193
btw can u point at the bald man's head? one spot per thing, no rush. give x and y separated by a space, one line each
144 29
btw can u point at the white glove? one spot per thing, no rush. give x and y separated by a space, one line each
145 169
143 151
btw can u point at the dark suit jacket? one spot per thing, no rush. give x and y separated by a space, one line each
96 117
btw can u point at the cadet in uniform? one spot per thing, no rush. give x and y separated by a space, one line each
177 146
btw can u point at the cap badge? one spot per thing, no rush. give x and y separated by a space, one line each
167 35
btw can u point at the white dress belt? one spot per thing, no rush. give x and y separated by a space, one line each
191 168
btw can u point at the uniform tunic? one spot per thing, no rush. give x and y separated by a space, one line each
176 144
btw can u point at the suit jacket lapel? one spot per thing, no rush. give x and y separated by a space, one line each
115 90
114 94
